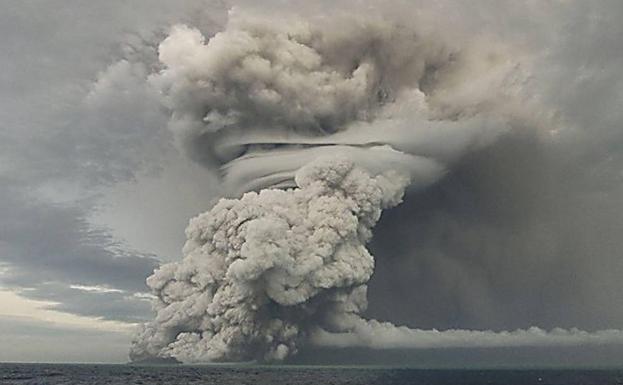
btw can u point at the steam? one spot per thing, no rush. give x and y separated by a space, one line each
320 124
262 99
260 271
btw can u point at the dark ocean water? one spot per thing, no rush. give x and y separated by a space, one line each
41 374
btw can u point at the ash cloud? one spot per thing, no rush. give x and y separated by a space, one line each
320 123
261 99
66 136
261 271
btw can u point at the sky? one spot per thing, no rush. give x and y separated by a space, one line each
94 193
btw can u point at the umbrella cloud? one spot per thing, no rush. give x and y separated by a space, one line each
316 126
261 99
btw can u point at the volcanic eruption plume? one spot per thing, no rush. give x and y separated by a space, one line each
316 126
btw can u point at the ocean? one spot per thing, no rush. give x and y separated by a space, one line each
79 374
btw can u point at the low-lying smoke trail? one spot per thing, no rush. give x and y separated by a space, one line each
321 125
384 335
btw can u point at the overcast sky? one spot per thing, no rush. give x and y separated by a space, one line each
94 195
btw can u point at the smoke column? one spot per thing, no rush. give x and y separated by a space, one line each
316 126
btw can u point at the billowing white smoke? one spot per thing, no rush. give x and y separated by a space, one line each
263 98
261 272
326 122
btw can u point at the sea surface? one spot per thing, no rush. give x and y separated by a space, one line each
84 374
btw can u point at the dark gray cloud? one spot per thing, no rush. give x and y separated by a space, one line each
46 248
526 232
76 118
511 238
